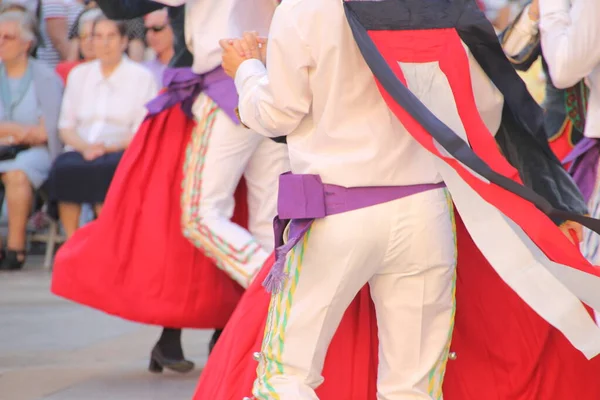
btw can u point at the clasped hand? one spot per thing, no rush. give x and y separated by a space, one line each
31 135
94 151
236 51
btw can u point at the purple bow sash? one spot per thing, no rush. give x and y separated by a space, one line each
183 87
584 170
304 198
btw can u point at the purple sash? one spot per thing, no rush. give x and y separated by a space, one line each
183 87
304 198
584 170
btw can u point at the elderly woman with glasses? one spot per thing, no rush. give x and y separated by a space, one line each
31 94
103 106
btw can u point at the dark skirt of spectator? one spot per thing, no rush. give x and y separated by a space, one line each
73 179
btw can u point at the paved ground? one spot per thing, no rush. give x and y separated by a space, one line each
51 349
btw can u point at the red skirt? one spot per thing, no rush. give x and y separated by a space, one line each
504 350
133 261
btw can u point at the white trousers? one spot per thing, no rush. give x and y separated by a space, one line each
218 154
406 251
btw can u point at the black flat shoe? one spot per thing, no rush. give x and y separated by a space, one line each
14 260
158 361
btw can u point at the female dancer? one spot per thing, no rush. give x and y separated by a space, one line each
134 261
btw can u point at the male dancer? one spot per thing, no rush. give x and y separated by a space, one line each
384 218
228 150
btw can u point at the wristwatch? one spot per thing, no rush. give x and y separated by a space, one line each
237 114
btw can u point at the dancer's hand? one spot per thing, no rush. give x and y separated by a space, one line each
254 46
534 10
231 56
573 231
236 51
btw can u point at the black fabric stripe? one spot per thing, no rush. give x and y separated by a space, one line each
537 164
407 14
537 171
478 34
449 140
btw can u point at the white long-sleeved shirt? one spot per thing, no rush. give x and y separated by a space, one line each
110 109
208 21
320 92
571 45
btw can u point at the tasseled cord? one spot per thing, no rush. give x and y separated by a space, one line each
277 277
274 282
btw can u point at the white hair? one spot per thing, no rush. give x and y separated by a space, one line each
88 16
26 22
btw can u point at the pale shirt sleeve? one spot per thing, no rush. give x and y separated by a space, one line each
274 102
68 111
522 33
570 39
150 90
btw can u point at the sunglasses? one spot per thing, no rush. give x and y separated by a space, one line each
156 29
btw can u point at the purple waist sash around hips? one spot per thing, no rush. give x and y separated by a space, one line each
304 198
182 86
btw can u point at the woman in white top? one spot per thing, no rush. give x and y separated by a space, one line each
103 106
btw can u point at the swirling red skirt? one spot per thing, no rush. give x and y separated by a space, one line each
133 261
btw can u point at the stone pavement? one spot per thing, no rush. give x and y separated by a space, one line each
52 349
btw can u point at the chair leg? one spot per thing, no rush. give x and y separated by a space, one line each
50 244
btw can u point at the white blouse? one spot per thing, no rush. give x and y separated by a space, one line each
106 110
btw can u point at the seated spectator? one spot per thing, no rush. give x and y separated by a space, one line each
103 106
31 94
128 9
159 37
84 45
57 17
136 49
